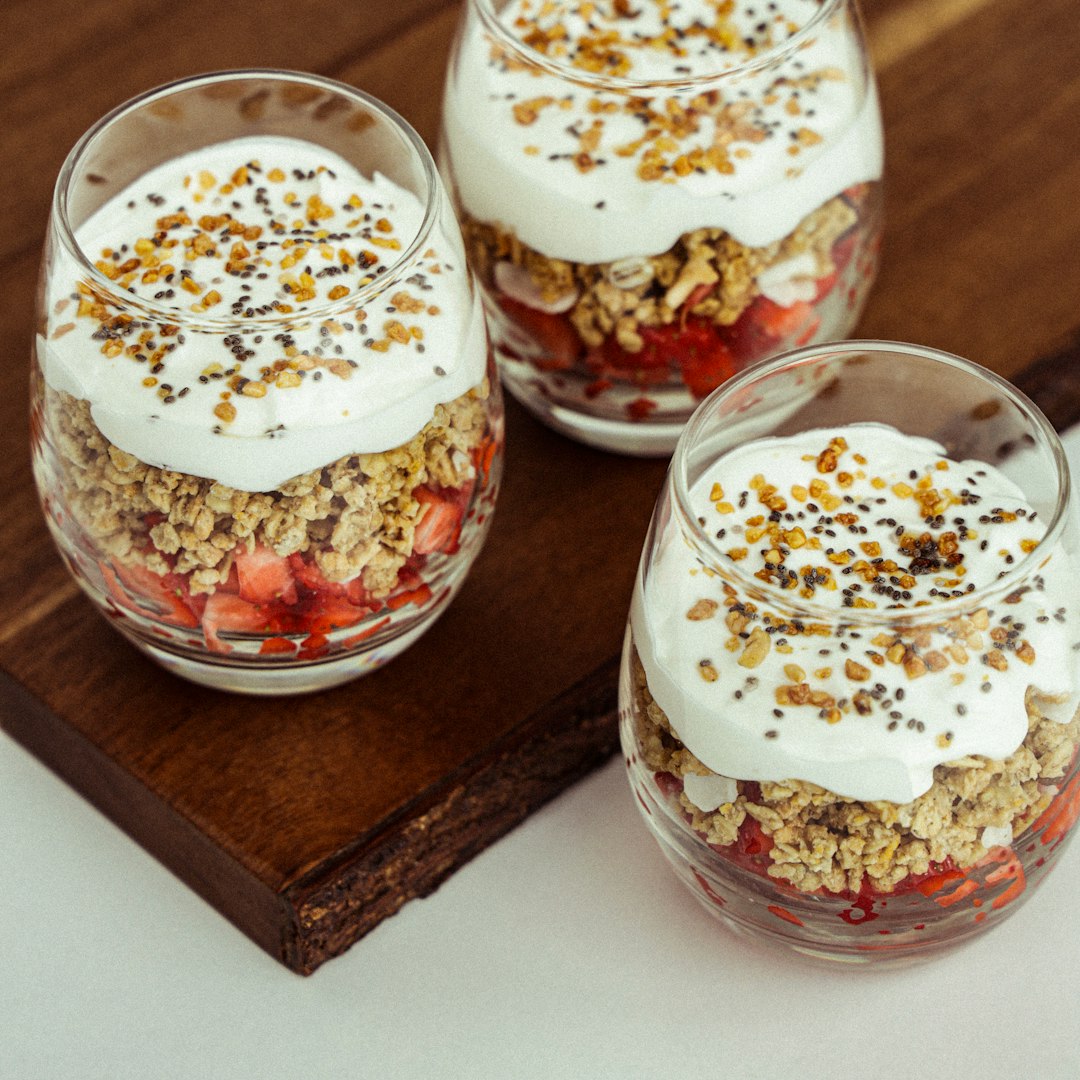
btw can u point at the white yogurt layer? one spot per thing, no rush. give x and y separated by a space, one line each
595 176
867 707
262 235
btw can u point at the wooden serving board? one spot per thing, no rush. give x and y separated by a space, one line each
308 820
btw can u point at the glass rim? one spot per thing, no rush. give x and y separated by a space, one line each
618 83
710 554
105 287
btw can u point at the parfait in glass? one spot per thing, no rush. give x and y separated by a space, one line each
267 429
656 194
850 687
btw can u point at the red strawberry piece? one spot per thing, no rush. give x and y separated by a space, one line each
438 527
641 408
659 343
748 339
696 349
764 326
232 583
307 575
367 632
159 596
332 613
483 456
418 596
554 334
225 612
264 576
782 322
668 783
707 365
692 347
274 645
752 841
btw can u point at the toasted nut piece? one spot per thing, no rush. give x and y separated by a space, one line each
698 271
914 666
703 609
757 648
708 671
856 671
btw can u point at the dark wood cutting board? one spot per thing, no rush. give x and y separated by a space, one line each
308 820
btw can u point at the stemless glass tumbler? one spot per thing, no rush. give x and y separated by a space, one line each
267 428
654 195
850 683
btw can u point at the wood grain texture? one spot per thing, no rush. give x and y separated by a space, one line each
308 821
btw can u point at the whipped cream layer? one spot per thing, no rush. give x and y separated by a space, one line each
253 364
849 525
594 176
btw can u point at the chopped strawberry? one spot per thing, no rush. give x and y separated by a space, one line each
765 326
274 645
332 613
438 527
782 322
307 575
704 369
159 596
232 583
264 576
696 350
367 632
641 408
554 334
418 596
225 612
693 348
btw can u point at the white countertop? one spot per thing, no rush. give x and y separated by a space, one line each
568 949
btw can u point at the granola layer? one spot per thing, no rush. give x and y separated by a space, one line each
356 517
824 841
620 297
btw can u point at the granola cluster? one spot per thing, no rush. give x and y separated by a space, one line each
619 297
826 841
357 516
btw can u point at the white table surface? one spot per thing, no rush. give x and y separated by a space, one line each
567 949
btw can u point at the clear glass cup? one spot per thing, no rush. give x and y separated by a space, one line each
656 195
850 685
267 427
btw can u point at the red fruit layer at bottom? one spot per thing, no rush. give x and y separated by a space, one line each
288 596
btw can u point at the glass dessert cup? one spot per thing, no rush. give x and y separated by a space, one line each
267 426
647 218
850 685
